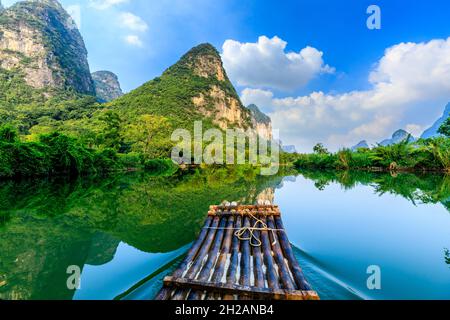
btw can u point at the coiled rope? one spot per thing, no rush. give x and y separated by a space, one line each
252 238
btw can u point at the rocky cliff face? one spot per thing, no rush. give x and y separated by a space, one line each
107 86
220 101
39 40
195 88
261 122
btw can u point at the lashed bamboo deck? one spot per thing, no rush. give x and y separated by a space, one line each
221 265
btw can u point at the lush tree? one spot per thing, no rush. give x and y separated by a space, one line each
320 149
147 133
110 137
8 133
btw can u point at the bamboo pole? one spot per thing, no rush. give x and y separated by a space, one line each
297 272
283 271
258 264
163 294
272 278
214 250
232 269
196 265
221 262
245 257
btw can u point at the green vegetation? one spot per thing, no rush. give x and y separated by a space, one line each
445 128
64 44
417 188
56 154
160 166
424 155
82 221
52 154
136 127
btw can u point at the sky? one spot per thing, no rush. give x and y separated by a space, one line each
312 65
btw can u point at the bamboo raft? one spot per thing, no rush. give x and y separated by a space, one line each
241 253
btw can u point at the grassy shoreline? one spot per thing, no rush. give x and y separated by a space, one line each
425 155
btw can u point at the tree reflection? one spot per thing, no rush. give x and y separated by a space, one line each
427 188
47 225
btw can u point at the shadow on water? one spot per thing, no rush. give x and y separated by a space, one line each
48 225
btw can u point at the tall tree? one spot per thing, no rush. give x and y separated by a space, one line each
146 133
445 128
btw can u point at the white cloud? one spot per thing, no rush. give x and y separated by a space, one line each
415 129
105 4
74 12
267 64
134 40
410 85
132 22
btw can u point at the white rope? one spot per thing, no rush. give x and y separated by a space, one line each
240 232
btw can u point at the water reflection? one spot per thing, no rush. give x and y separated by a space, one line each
347 222
125 228
425 188
51 225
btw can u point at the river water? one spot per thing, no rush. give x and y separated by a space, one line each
126 232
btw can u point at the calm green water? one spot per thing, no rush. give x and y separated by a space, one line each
127 232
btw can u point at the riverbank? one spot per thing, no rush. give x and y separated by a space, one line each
57 154
430 155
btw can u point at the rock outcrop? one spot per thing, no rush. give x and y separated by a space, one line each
261 122
39 40
220 101
195 88
107 86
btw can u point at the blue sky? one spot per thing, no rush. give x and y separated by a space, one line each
344 88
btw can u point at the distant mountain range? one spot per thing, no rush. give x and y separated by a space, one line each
402 135
286 148
289 149
362 145
43 58
433 131
398 136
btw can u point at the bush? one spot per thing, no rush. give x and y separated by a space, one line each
362 160
320 161
54 153
67 155
106 160
430 154
8 133
4 217
130 160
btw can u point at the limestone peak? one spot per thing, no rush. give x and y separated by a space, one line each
41 42
204 61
